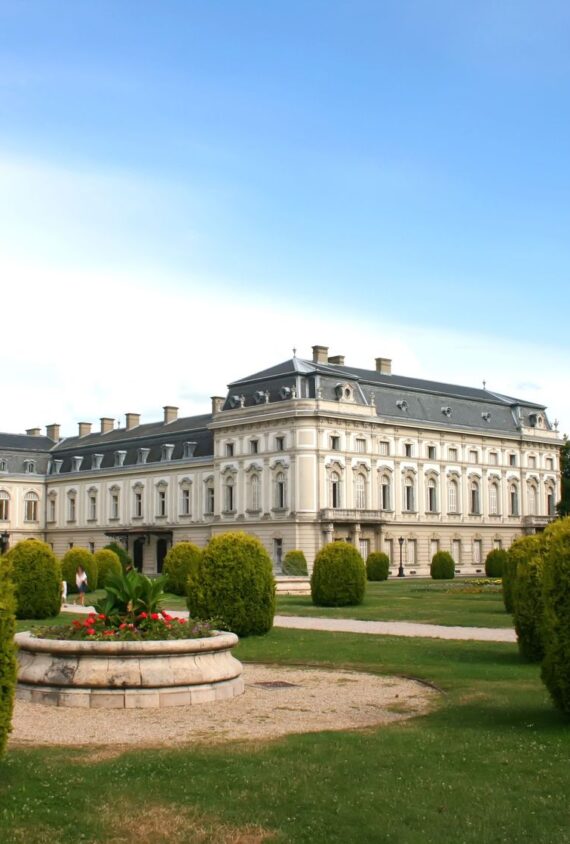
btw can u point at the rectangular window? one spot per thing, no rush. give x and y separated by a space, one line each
384 448
411 552
185 502
364 548
3 509
92 507
335 443
452 454
512 460
473 456
433 548
229 449
71 509
408 451
456 550
360 446
279 443
161 502
431 452
92 547
477 551
549 463
389 549
532 462
138 504
115 505
253 446
277 551
209 500
497 544
494 458
51 509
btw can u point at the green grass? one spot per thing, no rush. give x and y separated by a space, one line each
490 765
446 603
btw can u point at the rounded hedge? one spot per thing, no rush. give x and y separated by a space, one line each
528 604
521 550
123 555
7 651
181 562
495 562
556 614
442 566
295 564
339 576
107 563
36 574
377 566
79 557
235 583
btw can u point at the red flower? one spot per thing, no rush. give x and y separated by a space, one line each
166 617
91 631
182 621
122 626
76 623
102 616
155 616
143 615
108 632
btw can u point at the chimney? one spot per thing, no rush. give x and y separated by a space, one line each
106 424
33 432
320 354
217 404
132 420
52 431
84 428
338 359
384 366
170 413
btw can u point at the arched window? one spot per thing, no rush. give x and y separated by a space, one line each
161 491
30 466
360 492
409 495
494 499
186 498
31 501
475 500
550 501
92 505
335 490
514 499
280 491
4 506
532 500
255 493
229 495
431 498
71 506
452 496
385 493
138 501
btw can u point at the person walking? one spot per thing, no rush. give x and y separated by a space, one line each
81 583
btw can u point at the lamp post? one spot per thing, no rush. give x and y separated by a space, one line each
401 572
4 538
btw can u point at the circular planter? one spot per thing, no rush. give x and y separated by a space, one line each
128 675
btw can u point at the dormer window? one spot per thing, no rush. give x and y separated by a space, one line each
56 466
142 455
486 416
446 410
76 463
344 392
96 460
119 458
188 449
167 450
402 405
30 466
3 466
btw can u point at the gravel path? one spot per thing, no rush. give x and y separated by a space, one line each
277 701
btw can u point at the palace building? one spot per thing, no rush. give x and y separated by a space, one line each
300 454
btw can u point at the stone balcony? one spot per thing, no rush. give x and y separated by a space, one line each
332 514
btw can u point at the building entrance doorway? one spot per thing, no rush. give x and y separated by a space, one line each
138 548
161 549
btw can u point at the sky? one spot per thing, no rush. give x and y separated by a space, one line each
191 189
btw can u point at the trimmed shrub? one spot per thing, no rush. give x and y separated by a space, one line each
36 574
521 550
527 603
107 563
377 566
295 564
122 554
495 562
79 557
235 583
7 651
339 576
556 614
442 566
181 562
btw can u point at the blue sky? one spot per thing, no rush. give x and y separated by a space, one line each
388 178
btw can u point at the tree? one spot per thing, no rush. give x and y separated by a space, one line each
563 506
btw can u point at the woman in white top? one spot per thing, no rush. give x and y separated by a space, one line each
81 583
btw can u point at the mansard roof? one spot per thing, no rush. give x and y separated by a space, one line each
396 397
25 442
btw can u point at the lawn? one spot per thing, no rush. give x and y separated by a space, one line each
449 603
490 765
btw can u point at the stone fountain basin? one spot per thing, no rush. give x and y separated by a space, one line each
128 675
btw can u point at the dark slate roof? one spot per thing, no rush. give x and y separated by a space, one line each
25 442
397 397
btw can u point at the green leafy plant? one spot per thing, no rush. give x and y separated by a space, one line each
495 562
295 564
36 574
442 566
235 583
107 563
122 554
128 594
528 603
377 566
181 562
79 557
156 626
556 614
339 576
521 550
7 651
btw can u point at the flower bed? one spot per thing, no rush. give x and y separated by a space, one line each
155 626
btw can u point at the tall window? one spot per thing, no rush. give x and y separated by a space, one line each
280 491
210 501
52 505
494 499
138 503
3 465
360 492
229 449
385 497
114 501
335 489
4 506
360 445
335 443
431 502
550 502
532 500
161 501
71 507
514 499
408 450
473 456
475 500
452 453
532 461
452 497
279 443
477 551
384 447
253 446
431 452
185 500
493 458
409 502
31 501
229 503
255 493
92 505
456 550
